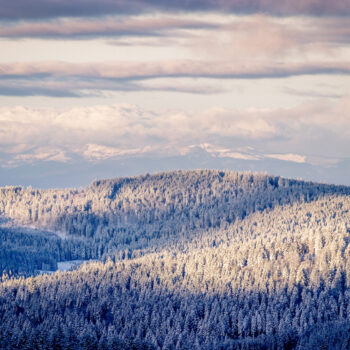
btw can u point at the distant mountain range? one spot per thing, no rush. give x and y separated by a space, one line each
80 172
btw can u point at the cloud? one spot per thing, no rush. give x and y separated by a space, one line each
238 124
24 89
80 87
236 38
224 47
110 26
163 69
311 93
36 9
147 41
297 134
261 36
63 79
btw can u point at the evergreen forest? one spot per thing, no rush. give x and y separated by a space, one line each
201 259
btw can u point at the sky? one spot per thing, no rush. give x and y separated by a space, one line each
100 89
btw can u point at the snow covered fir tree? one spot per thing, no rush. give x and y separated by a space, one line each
182 260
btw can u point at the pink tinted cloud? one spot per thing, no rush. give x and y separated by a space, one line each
260 36
24 9
247 34
176 68
122 26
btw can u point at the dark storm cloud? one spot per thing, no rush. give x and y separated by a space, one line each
36 9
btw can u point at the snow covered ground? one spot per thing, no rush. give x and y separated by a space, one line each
69 265
66 266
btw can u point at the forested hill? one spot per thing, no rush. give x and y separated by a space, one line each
128 217
181 199
200 260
